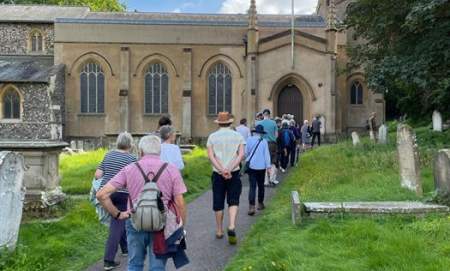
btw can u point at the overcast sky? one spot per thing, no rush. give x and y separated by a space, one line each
222 6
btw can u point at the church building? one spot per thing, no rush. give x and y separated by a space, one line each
67 73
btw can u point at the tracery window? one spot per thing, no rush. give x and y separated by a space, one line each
11 104
156 89
92 88
36 41
219 89
356 93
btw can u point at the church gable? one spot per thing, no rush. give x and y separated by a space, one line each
283 38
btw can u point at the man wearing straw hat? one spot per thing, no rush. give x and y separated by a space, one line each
226 151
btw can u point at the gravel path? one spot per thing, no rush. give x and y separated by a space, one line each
205 252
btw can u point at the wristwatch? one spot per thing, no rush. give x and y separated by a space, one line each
118 214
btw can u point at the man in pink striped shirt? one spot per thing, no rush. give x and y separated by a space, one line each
171 186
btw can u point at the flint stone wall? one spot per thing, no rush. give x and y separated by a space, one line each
14 38
42 111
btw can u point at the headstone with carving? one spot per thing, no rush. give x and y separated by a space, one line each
437 121
12 194
408 156
355 139
322 127
442 173
383 134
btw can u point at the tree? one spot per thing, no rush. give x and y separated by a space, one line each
405 51
94 5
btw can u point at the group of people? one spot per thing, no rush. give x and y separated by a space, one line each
125 191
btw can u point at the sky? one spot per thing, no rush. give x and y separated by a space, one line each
221 6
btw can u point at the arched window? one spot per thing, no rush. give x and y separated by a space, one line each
11 104
92 88
156 89
219 89
356 93
36 41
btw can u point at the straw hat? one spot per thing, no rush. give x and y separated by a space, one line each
224 118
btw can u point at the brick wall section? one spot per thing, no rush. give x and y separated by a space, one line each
42 113
14 37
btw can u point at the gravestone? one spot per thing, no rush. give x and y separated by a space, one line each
437 121
408 157
12 194
322 127
73 145
355 139
442 173
382 134
296 208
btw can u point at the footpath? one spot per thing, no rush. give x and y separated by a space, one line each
205 252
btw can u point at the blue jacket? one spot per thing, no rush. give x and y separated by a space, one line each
176 246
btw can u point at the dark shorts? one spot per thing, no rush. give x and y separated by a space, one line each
273 150
229 189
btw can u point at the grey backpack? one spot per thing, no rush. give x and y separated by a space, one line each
148 212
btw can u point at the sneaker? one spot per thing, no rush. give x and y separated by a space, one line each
275 182
261 206
125 253
251 210
282 170
108 265
232 239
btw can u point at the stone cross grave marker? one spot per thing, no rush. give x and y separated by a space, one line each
383 134
408 156
322 126
355 139
437 121
442 173
12 194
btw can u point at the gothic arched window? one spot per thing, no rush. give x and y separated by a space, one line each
36 41
219 89
156 89
92 88
11 104
356 93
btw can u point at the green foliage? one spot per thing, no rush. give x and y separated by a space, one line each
197 173
345 173
73 243
405 51
95 5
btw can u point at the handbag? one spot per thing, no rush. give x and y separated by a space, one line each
247 164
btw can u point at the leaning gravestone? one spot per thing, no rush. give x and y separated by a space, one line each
382 134
442 173
355 139
437 121
408 156
12 194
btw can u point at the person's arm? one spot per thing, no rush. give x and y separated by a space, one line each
179 158
181 205
98 173
214 161
267 155
104 197
237 160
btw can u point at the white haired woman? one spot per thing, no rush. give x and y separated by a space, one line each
305 134
170 152
112 163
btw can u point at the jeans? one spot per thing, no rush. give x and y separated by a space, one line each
314 138
256 178
285 157
293 155
117 233
140 244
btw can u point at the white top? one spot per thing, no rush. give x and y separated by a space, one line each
244 131
225 144
171 153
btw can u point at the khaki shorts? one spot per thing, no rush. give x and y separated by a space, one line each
273 150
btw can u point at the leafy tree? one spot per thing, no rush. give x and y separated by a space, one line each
405 51
95 5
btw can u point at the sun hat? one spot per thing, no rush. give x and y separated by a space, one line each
224 118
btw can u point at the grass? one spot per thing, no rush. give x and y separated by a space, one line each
77 240
344 173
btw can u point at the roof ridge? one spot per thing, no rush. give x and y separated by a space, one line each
45 5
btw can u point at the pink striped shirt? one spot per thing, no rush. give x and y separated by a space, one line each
170 183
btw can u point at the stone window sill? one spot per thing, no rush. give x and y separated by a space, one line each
357 105
155 114
12 121
99 115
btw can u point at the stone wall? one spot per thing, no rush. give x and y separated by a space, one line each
42 114
14 38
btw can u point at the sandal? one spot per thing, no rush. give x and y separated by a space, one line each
219 236
232 239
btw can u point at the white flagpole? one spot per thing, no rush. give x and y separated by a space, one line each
293 36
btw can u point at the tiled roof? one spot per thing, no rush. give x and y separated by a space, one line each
35 69
39 13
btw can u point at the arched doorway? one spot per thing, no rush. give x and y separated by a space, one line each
290 101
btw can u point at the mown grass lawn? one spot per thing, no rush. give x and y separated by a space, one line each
344 173
77 239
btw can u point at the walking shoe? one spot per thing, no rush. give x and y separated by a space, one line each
275 182
108 265
251 210
261 206
125 253
232 239
282 170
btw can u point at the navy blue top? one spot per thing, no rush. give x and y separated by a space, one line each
113 162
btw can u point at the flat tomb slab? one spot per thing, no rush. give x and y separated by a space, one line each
384 207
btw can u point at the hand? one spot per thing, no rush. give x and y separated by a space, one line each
124 215
269 171
226 174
